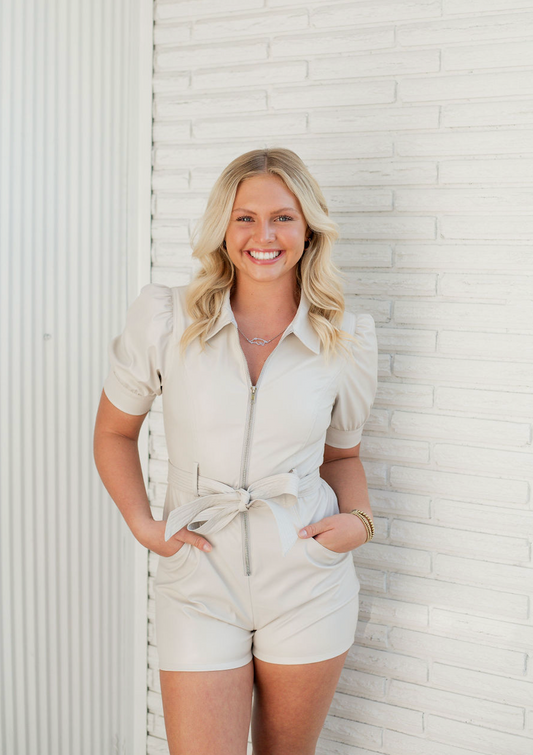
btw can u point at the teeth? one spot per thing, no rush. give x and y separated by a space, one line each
264 255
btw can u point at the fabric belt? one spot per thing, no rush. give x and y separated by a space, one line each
219 503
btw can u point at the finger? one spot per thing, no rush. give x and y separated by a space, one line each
310 530
197 540
202 544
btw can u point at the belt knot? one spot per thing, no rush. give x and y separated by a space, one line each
219 503
245 499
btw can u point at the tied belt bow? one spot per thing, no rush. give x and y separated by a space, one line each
219 503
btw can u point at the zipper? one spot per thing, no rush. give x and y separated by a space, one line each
246 455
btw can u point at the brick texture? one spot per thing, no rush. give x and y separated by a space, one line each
416 117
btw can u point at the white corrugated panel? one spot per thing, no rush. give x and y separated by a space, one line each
69 625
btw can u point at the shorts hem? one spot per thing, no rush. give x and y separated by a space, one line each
305 659
209 667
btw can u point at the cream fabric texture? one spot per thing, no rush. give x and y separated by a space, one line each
243 464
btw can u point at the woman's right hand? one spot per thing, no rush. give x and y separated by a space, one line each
153 538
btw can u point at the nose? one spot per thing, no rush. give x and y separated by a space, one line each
264 231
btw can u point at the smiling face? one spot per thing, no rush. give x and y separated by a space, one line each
267 230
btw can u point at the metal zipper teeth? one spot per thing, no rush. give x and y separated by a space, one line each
244 461
251 405
253 389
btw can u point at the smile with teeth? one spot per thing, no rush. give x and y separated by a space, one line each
264 255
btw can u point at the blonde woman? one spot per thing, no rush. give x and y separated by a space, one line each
266 384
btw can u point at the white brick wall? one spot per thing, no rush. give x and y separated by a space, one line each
416 117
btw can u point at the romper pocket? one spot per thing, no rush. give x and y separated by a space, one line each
180 565
182 552
319 554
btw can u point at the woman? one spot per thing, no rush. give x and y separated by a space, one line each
266 384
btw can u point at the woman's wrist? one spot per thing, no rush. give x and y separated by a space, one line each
367 520
141 527
358 532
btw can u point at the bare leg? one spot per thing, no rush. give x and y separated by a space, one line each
207 712
291 704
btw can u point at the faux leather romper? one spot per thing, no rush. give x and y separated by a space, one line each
243 470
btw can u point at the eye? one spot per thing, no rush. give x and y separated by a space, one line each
245 217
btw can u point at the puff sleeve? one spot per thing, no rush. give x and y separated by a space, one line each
138 357
357 387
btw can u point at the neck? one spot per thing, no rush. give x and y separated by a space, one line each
265 302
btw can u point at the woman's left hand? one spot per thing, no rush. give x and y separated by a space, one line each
339 533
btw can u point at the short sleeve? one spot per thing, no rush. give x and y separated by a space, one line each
357 387
139 355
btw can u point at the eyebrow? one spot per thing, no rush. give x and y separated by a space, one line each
251 212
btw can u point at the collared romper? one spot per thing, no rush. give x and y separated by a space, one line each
243 471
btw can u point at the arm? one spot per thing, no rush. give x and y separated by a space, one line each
343 471
116 455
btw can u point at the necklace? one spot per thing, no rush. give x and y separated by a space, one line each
259 341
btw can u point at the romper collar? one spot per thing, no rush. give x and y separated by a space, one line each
300 325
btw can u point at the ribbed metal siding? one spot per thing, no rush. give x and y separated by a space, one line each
66 554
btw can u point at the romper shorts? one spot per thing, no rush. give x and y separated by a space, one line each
297 608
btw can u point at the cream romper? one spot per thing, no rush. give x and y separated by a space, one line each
243 471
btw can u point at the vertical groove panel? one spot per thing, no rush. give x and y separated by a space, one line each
67 556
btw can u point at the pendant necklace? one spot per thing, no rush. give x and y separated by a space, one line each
259 341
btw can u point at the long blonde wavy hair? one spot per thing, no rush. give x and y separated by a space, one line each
316 274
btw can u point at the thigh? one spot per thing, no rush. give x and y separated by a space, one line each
207 712
291 703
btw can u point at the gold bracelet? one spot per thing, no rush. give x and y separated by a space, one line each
367 521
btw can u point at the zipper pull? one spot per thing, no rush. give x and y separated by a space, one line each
253 392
